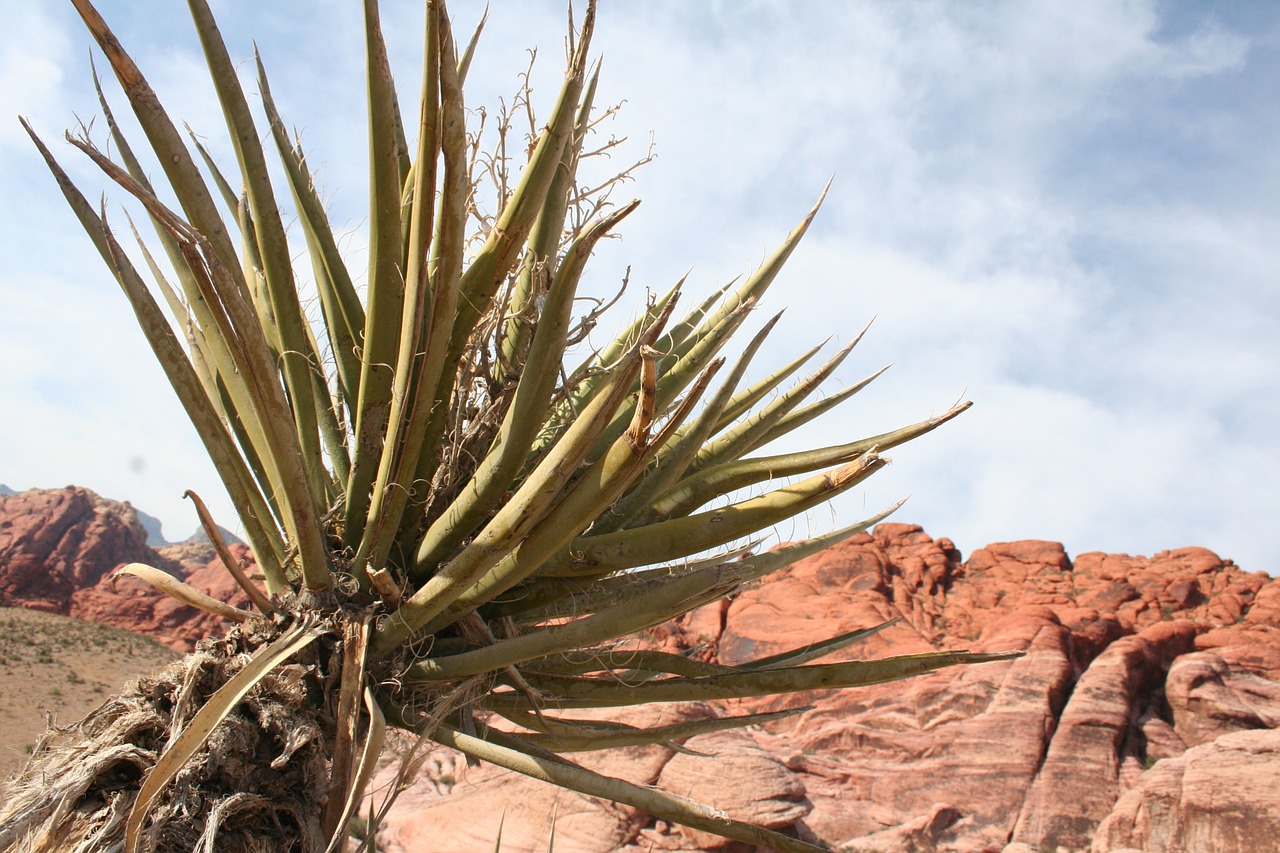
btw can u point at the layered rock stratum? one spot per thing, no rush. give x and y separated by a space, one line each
59 547
1145 714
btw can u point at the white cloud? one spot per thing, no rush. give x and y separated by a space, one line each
1059 207
32 51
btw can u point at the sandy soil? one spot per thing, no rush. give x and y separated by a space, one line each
63 666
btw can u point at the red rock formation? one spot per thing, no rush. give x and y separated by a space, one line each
58 548
1080 777
1143 715
56 541
1129 660
1223 690
136 606
1222 796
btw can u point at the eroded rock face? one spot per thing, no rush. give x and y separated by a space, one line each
56 541
1222 690
1130 660
58 548
1081 775
1222 796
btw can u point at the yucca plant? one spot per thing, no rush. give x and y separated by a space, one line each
456 525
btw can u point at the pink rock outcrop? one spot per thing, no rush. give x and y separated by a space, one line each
59 547
1129 660
56 541
1222 796
460 808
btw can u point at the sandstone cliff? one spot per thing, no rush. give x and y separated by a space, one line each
1143 715
58 548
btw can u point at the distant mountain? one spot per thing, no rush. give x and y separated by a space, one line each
202 538
5 490
156 538
151 524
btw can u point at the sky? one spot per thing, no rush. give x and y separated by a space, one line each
1065 211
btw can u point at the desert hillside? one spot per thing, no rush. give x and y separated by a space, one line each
61 665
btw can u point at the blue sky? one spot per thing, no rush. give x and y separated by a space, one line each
1064 211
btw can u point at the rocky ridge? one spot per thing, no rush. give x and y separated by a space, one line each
58 548
1150 687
